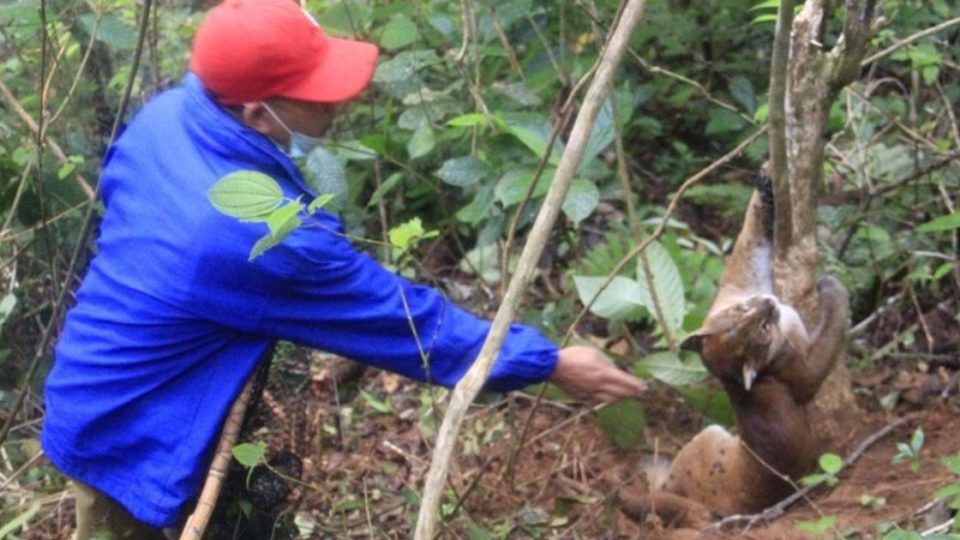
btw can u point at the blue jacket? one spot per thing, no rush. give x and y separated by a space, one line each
171 318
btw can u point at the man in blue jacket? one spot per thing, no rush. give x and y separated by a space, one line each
171 318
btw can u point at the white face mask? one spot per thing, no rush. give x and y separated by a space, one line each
300 145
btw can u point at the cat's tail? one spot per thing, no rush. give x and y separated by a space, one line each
767 210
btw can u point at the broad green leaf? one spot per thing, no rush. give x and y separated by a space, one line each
265 242
484 262
7 305
246 507
930 74
666 283
66 170
814 479
281 223
623 422
952 463
246 195
346 17
250 454
513 185
476 532
463 171
581 200
443 24
942 223
355 151
113 32
478 208
376 404
325 173
713 403
385 188
280 220
623 299
742 90
404 65
722 121
405 235
665 366
762 113
818 527
916 441
534 133
950 490
422 142
924 55
601 135
399 32
768 17
518 92
319 202
831 463
467 120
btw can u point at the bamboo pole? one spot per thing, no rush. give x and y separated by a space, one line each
198 520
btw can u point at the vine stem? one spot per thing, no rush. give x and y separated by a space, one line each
910 39
467 389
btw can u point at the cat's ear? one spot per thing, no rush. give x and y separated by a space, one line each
694 342
713 325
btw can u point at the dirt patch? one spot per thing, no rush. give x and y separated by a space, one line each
365 449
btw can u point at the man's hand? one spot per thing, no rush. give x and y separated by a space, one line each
585 373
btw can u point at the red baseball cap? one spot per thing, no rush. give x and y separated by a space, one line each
250 50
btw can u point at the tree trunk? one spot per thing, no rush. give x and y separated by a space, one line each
810 79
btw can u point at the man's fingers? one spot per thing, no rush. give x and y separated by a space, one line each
624 381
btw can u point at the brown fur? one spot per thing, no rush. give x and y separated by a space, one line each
749 333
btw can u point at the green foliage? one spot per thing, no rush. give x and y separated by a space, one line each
668 368
250 455
830 465
910 451
623 422
951 492
630 299
817 527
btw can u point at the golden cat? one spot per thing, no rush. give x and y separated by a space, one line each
771 367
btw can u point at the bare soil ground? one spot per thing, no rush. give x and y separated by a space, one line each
364 449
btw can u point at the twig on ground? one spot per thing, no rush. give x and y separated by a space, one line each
20 470
780 508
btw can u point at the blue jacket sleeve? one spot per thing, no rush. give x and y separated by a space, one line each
330 296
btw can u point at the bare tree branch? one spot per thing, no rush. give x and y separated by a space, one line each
472 382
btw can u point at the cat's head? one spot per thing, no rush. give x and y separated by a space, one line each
741 341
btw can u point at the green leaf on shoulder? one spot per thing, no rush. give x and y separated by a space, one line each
247 195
